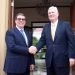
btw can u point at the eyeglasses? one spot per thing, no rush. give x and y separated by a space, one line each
23 19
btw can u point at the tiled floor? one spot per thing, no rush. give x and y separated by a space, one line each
43 73
41 68
38 73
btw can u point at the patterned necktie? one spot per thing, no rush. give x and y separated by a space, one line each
24 35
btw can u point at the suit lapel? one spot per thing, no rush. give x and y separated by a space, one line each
57 30
49 31
19 35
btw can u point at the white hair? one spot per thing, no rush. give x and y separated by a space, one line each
53 7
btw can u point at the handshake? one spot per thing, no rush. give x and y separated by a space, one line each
32 50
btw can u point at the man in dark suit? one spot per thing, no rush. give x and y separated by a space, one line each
18 40
60 43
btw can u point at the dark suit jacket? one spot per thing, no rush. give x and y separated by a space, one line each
62 48
17 57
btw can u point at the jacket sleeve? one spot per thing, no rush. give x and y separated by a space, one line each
71 41
32 59
42 40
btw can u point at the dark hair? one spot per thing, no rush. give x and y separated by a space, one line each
19 14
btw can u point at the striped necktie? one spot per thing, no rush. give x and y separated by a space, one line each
24 35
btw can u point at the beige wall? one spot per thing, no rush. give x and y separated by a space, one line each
3 28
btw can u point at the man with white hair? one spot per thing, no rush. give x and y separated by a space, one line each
57 35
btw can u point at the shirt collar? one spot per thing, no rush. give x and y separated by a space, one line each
55 23
19 28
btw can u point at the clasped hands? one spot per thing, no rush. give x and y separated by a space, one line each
32 50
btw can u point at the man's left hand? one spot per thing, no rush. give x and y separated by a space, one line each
72 62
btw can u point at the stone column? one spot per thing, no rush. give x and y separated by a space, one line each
4 7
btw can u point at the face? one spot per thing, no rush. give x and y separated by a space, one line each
53 14
20 21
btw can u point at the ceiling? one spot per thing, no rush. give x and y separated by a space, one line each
33 3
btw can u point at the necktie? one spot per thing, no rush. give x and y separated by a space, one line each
52 31
24 35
